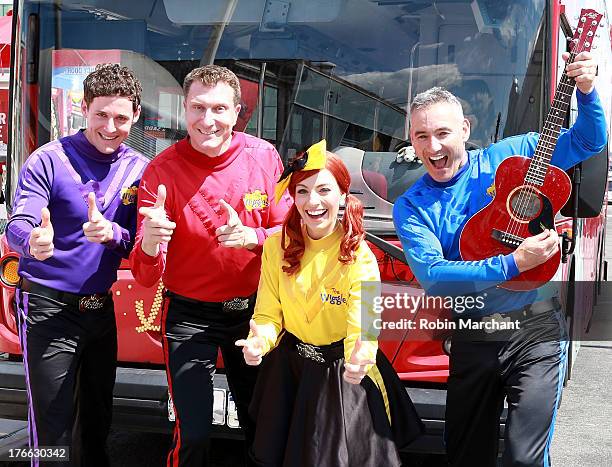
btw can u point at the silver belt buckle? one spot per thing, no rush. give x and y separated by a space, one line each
309 351
93 302
236 304
495 317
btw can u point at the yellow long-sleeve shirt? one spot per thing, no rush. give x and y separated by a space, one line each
322 303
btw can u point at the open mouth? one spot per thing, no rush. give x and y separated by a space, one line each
208 133
317 214
439 162
107 138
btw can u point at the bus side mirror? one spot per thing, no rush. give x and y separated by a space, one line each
590 188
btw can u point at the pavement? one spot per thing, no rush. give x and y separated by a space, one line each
583 437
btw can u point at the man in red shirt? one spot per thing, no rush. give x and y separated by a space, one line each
206 205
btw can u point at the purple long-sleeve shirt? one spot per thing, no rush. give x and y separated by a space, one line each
60 175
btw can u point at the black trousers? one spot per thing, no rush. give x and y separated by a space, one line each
192 334
70 360
525 366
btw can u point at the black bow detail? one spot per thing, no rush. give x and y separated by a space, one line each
295 166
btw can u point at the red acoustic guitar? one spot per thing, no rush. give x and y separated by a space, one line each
529 192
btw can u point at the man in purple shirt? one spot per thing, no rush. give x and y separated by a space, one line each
73 220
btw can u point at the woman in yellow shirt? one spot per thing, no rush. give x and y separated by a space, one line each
324 396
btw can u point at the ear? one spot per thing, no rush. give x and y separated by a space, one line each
343 199
466 129
137 114
84 107
237 109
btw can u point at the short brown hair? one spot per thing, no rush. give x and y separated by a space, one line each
210 75
110 79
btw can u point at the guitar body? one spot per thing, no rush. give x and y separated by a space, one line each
517 211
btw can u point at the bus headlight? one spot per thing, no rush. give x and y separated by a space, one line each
8 270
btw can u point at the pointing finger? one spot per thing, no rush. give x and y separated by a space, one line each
232 215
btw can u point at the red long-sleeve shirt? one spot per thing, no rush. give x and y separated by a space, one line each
194 264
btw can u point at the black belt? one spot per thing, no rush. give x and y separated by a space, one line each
233 304
527 312
92 302
318 353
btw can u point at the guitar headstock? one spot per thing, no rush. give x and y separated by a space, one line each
585 32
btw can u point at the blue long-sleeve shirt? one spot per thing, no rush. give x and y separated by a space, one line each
60 175
429 217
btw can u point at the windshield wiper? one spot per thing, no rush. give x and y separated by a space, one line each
386 247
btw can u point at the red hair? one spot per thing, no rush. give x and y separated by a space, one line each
292 238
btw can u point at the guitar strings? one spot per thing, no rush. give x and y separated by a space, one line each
538 166
547 141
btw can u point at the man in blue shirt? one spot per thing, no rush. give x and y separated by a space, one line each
526 366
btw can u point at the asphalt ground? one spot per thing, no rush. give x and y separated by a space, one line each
583 437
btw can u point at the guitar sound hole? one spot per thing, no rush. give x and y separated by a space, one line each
525 204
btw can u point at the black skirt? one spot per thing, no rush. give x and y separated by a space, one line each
307 415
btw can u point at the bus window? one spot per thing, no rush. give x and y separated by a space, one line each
320 69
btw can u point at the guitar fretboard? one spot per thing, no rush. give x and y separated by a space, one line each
551 130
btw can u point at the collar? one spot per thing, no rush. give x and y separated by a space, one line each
187 151
88 150
329 241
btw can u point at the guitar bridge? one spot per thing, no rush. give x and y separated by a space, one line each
507 239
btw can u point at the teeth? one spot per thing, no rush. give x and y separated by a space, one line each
207 133
317 213
436 158
107 138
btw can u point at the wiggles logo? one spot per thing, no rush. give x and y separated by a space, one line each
334 298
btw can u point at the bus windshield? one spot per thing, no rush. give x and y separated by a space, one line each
344 70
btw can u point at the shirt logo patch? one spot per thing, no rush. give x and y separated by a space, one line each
335 297
491 190
255 200
128 195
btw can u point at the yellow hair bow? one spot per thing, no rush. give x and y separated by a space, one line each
313 159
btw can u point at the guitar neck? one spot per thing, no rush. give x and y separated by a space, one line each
552 128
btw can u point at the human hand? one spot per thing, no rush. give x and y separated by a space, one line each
97 229
234 234
583 69
357 366
41 238
252 347
156 227
536 250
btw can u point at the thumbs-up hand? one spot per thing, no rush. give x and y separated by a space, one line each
98 229
357 366
234 234
156 227
41 238
252 347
